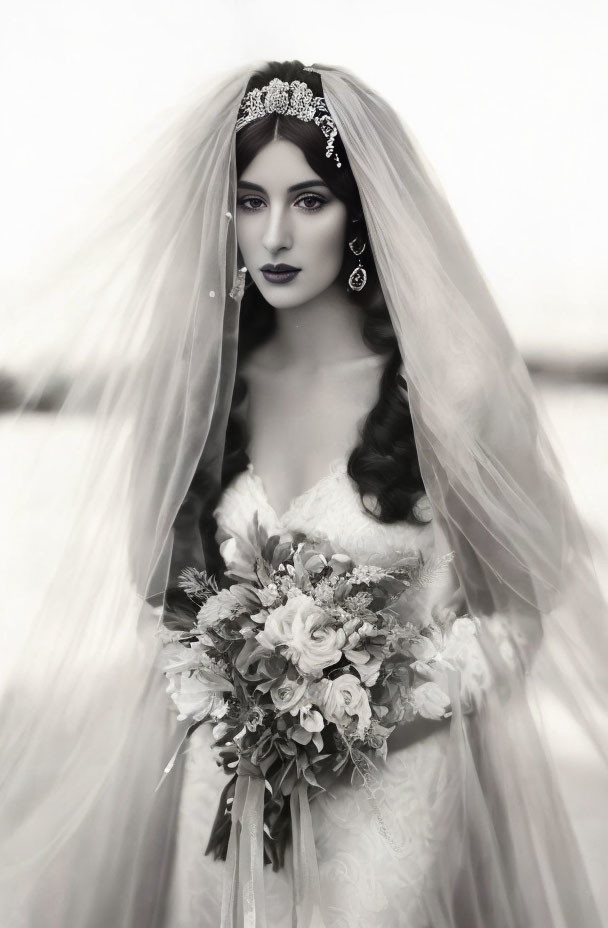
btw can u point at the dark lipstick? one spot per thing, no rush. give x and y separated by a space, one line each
279 273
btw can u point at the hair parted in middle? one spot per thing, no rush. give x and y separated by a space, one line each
384 463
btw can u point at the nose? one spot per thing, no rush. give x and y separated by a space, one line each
277 231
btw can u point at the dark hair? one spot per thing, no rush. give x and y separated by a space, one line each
384 464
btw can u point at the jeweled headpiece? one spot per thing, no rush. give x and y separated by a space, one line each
295 99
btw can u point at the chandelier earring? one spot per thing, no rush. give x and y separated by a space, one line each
358 277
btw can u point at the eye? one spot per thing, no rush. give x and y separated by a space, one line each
250 203
314 200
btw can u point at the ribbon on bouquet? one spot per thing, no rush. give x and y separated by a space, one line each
306 885
243 900
243 903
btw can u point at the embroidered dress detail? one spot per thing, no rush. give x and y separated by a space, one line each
363 880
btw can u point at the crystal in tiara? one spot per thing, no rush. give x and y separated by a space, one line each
295 99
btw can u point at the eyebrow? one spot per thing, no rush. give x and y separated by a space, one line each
307 183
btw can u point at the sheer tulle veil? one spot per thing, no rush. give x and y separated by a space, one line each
149 310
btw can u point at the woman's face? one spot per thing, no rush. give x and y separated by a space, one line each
286 215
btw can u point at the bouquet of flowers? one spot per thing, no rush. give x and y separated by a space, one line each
304 666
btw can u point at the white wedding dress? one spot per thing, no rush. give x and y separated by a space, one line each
364 880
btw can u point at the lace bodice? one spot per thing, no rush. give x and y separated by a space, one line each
332 510
363 879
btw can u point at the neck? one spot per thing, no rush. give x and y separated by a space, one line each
324 330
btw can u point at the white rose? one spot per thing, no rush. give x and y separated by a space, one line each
194 697
278 626
344 698
315 644
430 700
303 628
288 694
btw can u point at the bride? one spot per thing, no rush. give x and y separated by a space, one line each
353 381
319 365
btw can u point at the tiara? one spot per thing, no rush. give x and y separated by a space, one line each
295 99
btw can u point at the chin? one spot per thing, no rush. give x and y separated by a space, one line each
286 297
282 296
285 300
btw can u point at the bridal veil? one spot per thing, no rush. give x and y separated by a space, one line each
147 319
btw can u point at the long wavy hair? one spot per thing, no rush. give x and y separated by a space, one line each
384 462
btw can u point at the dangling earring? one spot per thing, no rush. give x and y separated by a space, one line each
358 277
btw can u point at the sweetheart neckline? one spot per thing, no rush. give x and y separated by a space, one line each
336 466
